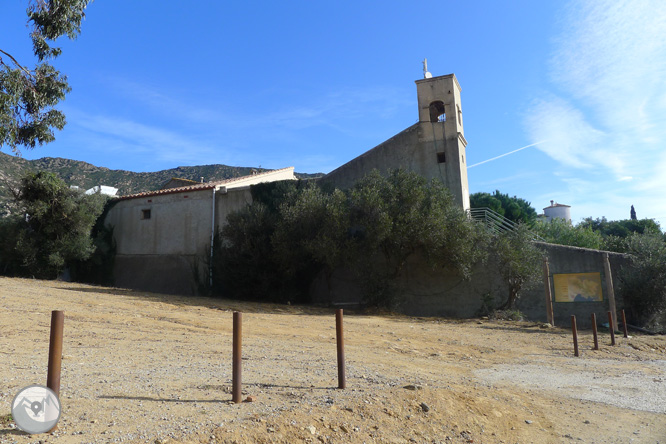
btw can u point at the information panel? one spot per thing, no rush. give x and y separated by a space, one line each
577 287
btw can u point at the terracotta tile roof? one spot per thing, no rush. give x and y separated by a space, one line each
197 187
180 181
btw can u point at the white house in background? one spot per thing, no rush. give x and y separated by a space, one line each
162 236
557 211
102 189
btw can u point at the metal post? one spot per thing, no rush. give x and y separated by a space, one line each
611 326
342 383
609 288
624 325
55 351
574 330
236 394
549 296
594 331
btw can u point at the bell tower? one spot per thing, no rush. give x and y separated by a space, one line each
441 132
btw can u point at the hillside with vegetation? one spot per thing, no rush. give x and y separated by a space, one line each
86 176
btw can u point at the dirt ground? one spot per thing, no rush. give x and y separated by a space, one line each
150 368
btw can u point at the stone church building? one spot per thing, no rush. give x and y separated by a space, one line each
163 236
434 147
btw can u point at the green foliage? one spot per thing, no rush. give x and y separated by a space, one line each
275 194
9 232
621 228
27 97
562 232
55 229
372 229
312 228
52 20
614 243
643 285
401 215
513 208
518 260
98 267
244 264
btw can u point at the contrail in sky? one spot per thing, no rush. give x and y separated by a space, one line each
505 154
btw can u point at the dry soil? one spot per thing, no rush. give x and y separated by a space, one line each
141 367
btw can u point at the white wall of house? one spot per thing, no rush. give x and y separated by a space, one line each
162 236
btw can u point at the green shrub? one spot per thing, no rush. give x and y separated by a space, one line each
274 249
518 260
54 229
643 284
562 232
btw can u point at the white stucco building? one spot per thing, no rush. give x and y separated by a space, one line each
160 235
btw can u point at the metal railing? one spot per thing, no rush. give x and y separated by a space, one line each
495 222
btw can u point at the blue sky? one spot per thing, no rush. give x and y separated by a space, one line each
157 84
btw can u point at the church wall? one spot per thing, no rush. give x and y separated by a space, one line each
414 149
427 292
434 147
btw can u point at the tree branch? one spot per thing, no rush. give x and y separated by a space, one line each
15 62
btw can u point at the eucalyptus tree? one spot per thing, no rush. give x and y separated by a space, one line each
28 95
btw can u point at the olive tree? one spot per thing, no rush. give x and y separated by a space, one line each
371 229
643 284
518 260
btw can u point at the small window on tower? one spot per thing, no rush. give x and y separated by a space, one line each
441 157
145 214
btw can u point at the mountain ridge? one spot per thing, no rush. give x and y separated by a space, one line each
86 175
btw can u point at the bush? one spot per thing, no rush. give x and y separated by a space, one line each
395 217
562 232
518 260
54 230
278 245
245 265
98 268
643 285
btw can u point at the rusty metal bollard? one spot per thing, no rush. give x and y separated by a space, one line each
574 330
236 393
594 331
342 382
55 351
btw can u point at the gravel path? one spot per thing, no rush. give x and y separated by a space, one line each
642 387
